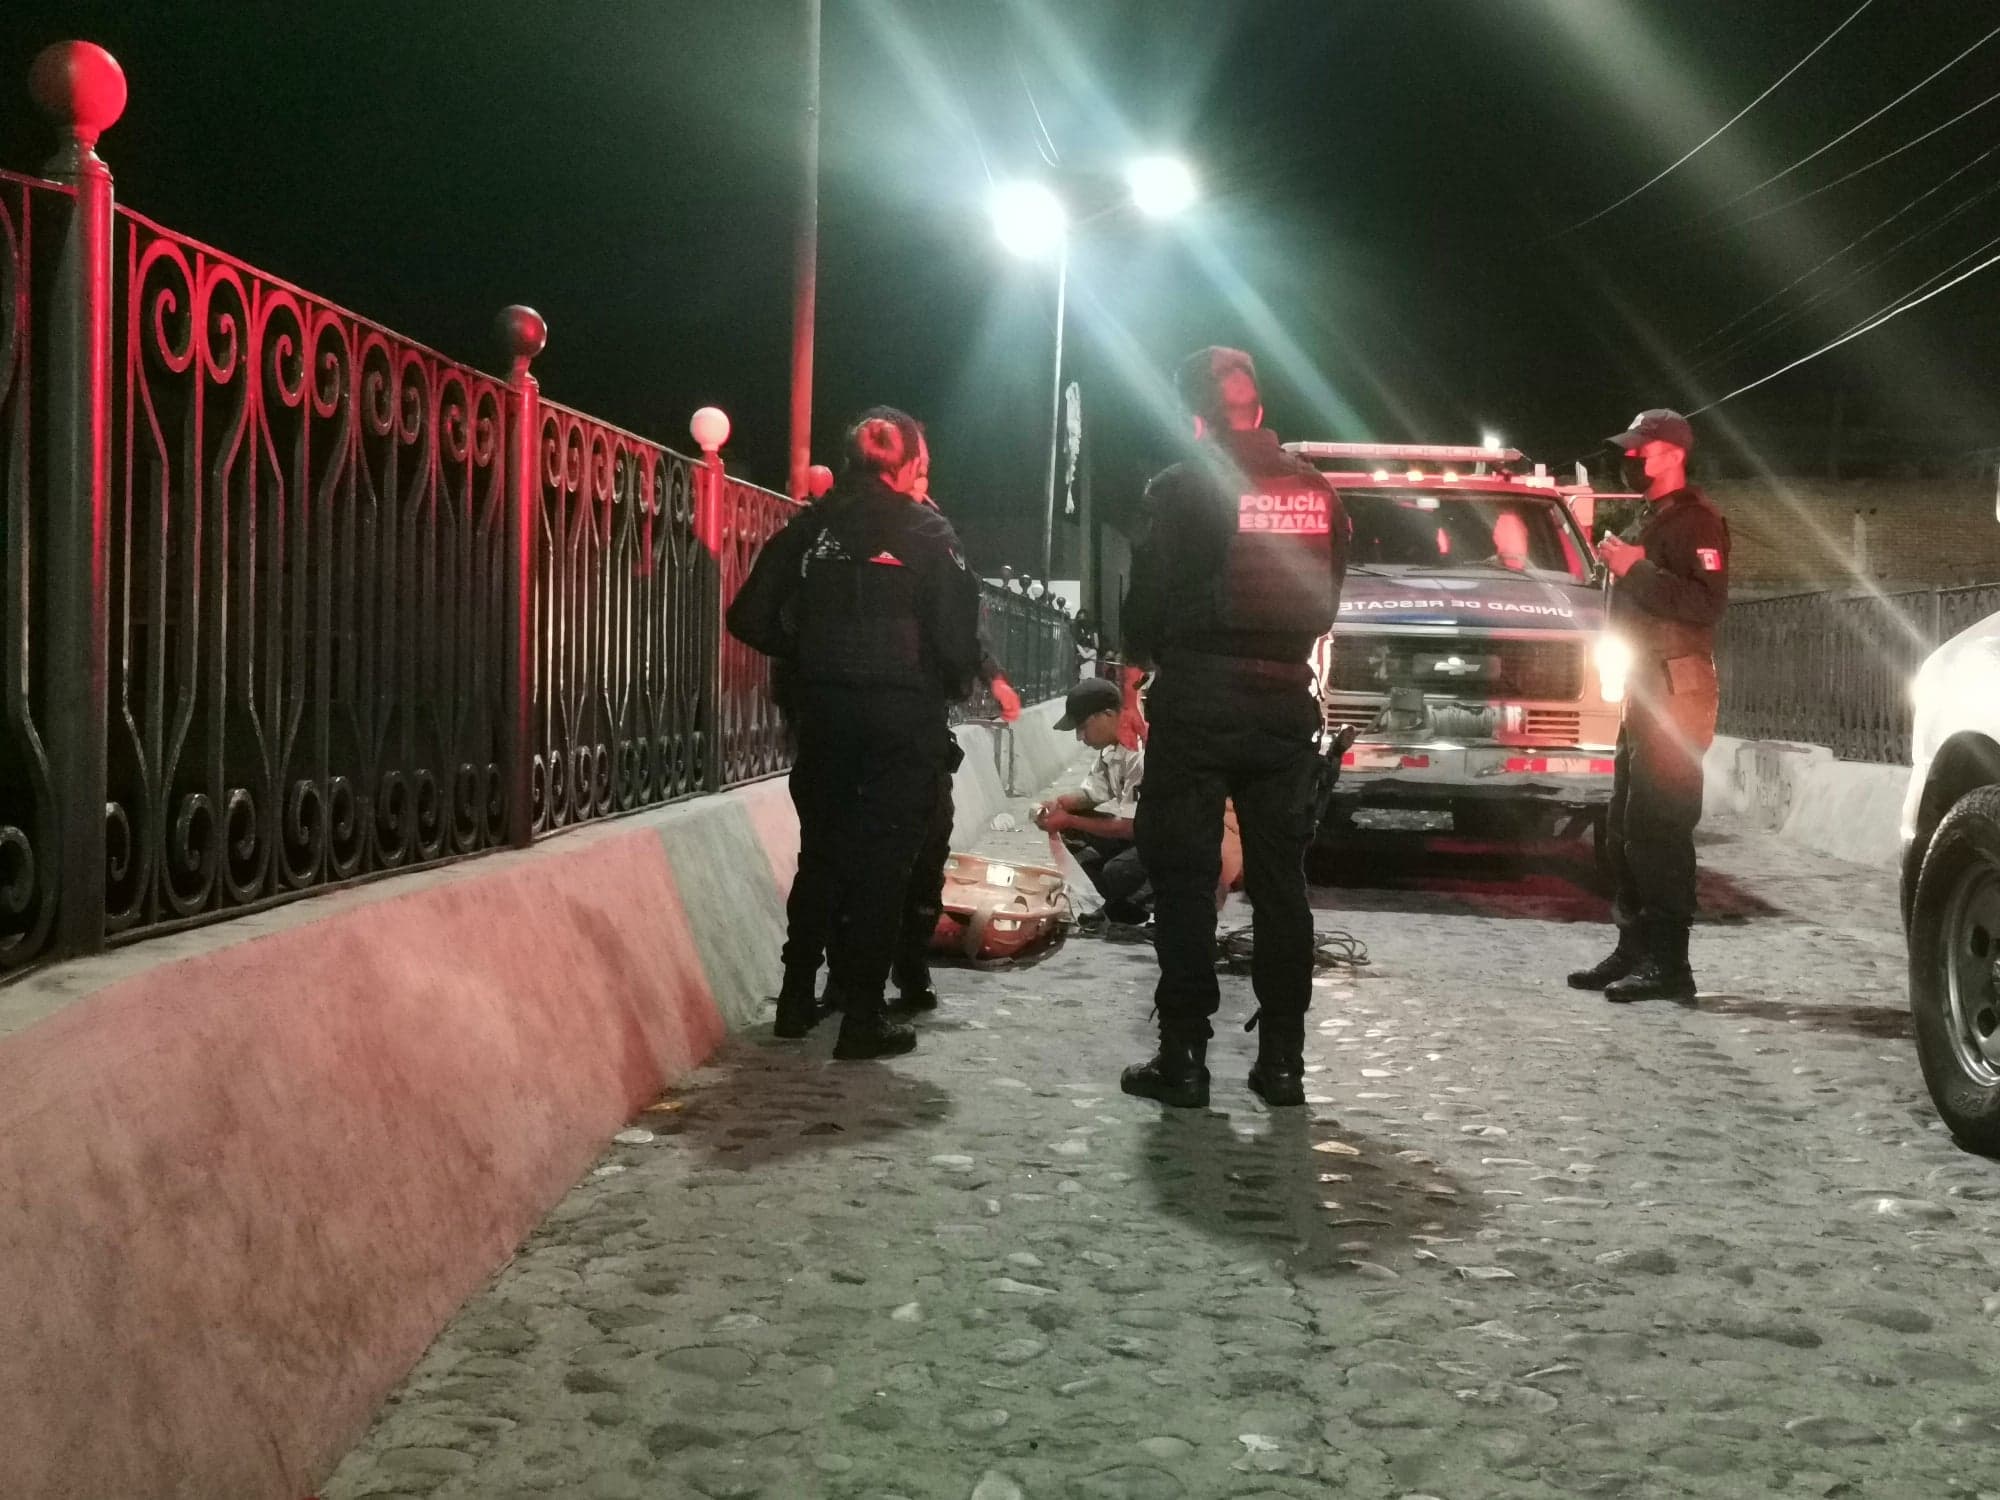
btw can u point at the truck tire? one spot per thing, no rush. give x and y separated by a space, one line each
1955 970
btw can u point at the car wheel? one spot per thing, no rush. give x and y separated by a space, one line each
1955 970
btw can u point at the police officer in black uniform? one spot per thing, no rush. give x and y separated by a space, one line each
1671 588
1239 576
866 594
809 908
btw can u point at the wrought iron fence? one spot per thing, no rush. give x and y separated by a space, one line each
30 212
623 627
1835 670
291 600
1032 640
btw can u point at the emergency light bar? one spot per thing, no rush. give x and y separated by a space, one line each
1408 452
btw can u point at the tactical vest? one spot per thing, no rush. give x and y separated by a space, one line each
1277 577
857 613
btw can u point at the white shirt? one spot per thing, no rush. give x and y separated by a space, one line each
1112 783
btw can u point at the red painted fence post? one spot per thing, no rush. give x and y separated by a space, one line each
80 87
524 334
709 427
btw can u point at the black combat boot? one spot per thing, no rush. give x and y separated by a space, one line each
1177 1075
799 1009
866 1031
1662 972
1615 965
914 989
1278 1077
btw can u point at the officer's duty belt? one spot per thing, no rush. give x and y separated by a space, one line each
1259 667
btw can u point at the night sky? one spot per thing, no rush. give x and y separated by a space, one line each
1387 186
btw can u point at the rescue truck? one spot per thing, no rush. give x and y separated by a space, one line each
1471 657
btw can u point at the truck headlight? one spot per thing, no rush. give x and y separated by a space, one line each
1614 665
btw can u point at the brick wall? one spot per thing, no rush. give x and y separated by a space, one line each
1797 534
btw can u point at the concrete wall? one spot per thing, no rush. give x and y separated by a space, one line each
247 1172
1797 534
1041 753
245 1179
1843 808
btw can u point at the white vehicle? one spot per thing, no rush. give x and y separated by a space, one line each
1951 881
1471 656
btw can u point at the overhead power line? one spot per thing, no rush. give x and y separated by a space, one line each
1896 303
1684 160
1787 315
1862 125
1869 326
1044 142
1864 167
964 99
1852 244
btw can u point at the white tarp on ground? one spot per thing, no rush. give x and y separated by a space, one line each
1843 808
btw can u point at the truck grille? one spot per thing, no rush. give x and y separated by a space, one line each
1460 668
1554 726
1353 715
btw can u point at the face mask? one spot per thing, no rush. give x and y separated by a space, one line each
1632 469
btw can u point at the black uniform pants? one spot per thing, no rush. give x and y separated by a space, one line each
809 908
1217 735
923 901
866 784
1656 794
1116 870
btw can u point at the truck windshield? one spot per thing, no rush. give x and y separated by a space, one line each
1450 531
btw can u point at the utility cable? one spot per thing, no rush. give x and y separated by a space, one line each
964 98
1684 160
1821 151
1856 332
1852 244
1864 167
1044 143
1787 315
1896 304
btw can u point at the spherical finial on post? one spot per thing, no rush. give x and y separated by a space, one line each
524 333
819 479
710 429
80 87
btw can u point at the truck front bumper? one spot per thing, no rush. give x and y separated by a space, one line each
1379 774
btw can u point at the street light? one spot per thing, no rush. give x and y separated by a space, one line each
1029 219
1032 221
1162 186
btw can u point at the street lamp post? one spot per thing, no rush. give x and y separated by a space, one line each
1055 416
1033 222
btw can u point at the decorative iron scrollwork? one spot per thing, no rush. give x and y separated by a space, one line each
623 600
27 789
306 610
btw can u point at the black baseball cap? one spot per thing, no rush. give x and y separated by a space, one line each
1087 699
1657 425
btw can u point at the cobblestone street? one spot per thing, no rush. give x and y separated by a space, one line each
1522 1243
